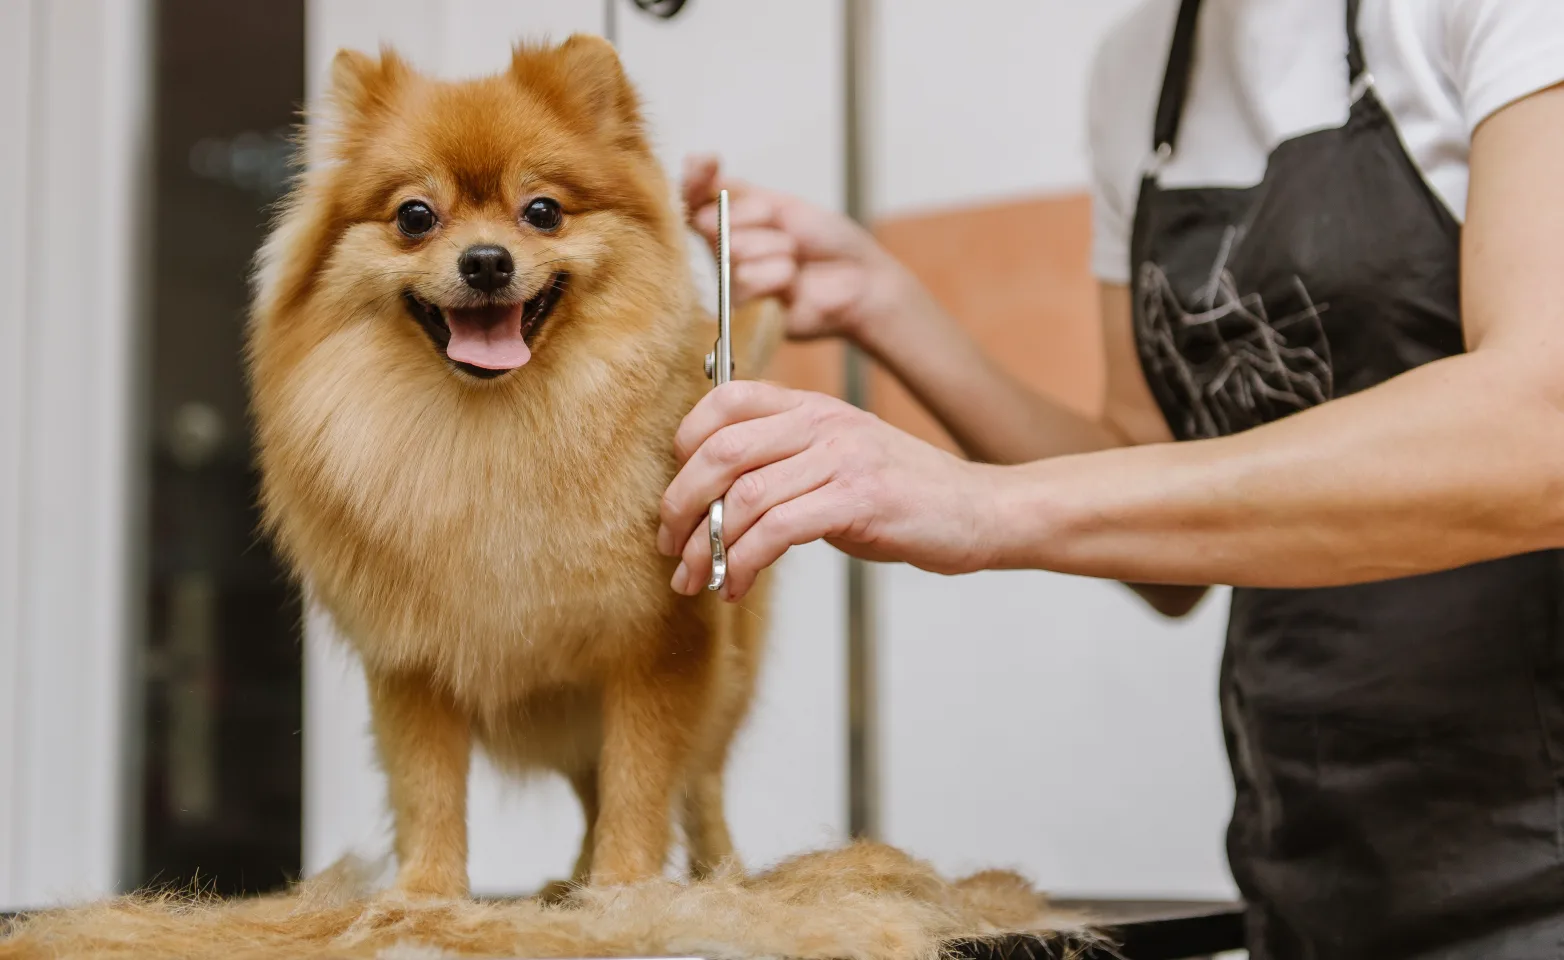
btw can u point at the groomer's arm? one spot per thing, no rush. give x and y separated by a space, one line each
1458 461
991 415
837 281
999 420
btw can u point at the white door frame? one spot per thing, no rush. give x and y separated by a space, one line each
75 108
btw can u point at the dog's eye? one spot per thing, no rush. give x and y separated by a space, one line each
414 218
543 213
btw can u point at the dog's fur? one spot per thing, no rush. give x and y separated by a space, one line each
864 902
487 545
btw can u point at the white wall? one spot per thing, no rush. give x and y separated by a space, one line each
982 100
1053 724
73 105
1030 719
757 83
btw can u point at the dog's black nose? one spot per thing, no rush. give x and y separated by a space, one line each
486 267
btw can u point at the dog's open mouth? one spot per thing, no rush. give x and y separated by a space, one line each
490 340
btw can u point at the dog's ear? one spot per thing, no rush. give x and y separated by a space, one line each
585 81
359 89
361 85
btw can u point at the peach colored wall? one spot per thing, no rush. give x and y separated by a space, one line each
809 366
1017 275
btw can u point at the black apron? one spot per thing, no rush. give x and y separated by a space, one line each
1397 747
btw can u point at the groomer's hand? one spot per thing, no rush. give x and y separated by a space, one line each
797 466
830 273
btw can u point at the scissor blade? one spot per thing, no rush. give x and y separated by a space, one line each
721 373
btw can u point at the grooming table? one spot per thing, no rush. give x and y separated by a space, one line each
1143 930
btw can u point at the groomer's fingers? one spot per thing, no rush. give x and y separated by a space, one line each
688 579
700 181
753 494
821 514
748 208
727 455
771 277
702 178
820 292
728 404
759 243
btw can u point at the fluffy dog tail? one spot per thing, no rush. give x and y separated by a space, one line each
758 328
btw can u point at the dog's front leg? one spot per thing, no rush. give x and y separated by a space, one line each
649 714
425 747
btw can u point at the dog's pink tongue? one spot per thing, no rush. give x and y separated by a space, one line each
488 337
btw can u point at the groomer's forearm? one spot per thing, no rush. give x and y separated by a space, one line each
1456 462
991 415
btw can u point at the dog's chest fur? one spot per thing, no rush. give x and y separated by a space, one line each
506 547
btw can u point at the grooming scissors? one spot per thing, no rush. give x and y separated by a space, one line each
719 368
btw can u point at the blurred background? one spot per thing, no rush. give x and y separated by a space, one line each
168 712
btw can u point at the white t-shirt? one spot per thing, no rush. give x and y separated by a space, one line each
1266 71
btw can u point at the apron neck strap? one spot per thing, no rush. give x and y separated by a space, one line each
1175 81
1181 60
1356 66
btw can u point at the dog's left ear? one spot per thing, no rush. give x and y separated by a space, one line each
584 78
361 85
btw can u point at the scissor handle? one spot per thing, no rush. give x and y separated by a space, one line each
719 553
719 367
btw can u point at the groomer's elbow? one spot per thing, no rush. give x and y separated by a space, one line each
1547 510
1542 513
1171 601
1513 431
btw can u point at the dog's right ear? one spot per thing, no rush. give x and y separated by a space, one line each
362 85
584 79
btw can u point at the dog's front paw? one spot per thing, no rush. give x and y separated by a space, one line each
419 884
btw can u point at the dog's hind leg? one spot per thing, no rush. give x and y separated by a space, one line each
705 820
585 786
706 824
584 783
758 329
652 713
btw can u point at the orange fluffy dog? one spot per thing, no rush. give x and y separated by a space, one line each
474 334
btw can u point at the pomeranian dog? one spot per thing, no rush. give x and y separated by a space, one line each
474 333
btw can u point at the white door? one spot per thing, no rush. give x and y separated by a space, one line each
760 84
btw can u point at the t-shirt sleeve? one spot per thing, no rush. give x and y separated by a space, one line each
1112 211
1499 51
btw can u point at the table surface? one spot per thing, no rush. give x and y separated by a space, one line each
1138 929
1146 911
